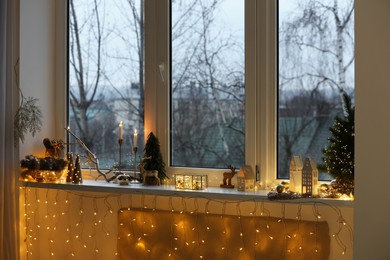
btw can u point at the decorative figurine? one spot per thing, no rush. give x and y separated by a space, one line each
309 177
227 178
246 179
70 173
77 176
155 161
150 177
296 166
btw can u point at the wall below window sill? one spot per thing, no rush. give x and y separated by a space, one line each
170 190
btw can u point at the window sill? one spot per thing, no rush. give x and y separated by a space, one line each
170 190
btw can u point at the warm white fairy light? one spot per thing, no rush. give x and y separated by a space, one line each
56 213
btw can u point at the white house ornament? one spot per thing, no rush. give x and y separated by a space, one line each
246 179
296 166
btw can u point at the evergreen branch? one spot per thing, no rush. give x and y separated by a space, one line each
28 117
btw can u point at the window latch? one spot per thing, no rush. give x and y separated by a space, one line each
161 68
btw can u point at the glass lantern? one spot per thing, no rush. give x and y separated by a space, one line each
190 182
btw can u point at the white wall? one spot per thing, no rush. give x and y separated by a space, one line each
37 65
372 227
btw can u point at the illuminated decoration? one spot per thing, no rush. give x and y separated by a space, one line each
91 157
48 169
303 176
61 224
190 182
296 166
70 171
339 155
246 179
77 175
182 235
309 177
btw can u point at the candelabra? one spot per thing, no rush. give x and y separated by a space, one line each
123 179
120 141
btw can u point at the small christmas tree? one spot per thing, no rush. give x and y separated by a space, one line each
339 155
77 176
152 150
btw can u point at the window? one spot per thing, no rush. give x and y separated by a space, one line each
205 84
212 76
106 76
316 62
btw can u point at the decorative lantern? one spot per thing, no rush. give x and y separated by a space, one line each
190 182
246 179
310 177
296 174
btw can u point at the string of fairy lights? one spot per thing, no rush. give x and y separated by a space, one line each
72 224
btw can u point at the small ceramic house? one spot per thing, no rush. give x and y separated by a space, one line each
310 177
296 174
246 179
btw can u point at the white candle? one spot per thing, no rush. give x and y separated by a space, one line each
120 130
135 139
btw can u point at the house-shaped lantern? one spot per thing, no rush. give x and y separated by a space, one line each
246 179
296 174
310 177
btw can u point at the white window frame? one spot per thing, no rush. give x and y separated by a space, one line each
260 82
260 94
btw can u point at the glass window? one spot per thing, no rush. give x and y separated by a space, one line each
106 76
207 113
316 63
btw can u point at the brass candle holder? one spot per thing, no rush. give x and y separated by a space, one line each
135 180
122 178
120 141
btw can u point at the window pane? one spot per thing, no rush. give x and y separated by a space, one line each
106 76
207 91
316 62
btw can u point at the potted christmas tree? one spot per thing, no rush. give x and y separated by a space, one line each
339 155
152 163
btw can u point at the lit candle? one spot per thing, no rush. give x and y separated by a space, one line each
120 130
135 139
